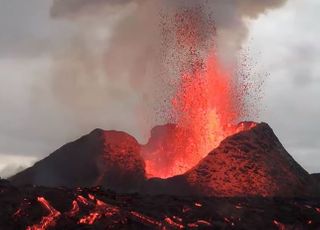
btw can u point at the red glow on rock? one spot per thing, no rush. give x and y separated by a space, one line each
226 220
197 204
204 222
279 225
145 219
173 224
186 209
74 209
89 219
46 221
91 197
199 223
82 200
17 213
100 210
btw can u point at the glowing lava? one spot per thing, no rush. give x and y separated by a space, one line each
205 111
46 221
101 209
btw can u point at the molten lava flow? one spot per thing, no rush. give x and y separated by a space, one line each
74 209
46 221
205 108
90 219
100 210
204 222
82 200
173 224
145 219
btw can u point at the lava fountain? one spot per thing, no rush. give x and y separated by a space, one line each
206 109
207 102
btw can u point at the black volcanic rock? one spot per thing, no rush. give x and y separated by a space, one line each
250 163
316 179
316 176
107 158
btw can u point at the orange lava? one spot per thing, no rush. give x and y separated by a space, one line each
280 226
46 221
100 210
145 219
82 200
173 224
197 204
90 219
74 209
205 111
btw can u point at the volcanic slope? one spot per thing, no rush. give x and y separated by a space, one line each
250 163
107 158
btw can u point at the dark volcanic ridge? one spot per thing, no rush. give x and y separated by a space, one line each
249 163
108 158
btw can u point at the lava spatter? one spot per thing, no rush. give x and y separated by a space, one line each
205 111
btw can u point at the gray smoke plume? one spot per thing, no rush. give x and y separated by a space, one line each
121 54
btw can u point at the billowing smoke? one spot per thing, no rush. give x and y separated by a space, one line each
120 55
230 16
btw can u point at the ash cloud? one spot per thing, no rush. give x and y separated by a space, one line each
230 16
62 8
119 49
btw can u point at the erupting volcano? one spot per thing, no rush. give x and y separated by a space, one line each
204 167
201 148
207 104
248 181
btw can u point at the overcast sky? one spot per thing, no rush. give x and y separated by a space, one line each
283 44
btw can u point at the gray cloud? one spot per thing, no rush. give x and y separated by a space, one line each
10 170
229 15
288 50
62 8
